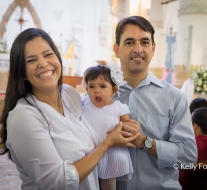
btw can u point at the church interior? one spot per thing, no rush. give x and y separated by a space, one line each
83 31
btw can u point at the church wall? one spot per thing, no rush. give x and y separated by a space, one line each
170 17
91 23
87 37
55 19
199 37
65 21
97 38
158 59
196 53
170 20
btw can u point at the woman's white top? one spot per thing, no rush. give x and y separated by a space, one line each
116 162
44 150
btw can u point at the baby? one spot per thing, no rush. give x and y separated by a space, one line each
100 115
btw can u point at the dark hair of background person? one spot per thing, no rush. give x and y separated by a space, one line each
139 21
199 116
17 86
94 72
197 103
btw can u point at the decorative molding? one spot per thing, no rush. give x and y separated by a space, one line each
104 25
167 1
10 10
103 31
78 31
78 26
34 15
192 7
182 75
192 10
6 17
192 3
77 35
118 8
156 14
22 3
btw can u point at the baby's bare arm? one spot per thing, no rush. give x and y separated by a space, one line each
124 118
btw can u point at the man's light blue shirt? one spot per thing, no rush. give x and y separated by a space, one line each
163 113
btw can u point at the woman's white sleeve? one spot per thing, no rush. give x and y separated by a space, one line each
34 153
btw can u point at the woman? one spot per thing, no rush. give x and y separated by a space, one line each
41 125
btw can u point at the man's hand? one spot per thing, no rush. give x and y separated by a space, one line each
132 128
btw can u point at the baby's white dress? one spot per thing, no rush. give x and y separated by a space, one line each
116 162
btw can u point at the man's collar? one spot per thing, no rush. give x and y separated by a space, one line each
151 78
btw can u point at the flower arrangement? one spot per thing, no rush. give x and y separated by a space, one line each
200 80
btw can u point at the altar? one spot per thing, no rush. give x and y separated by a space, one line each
72 80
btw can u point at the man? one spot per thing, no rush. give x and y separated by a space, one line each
166 137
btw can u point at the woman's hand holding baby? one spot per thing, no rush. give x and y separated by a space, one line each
117 137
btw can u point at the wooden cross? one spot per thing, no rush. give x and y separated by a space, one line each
171 29
21 20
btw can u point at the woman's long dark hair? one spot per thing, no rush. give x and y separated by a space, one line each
17 86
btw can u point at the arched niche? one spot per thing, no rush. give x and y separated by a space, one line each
22 4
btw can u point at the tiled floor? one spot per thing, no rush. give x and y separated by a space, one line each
9 176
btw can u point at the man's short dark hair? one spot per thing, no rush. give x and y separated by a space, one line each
137 21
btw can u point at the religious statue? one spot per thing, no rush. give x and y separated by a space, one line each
169 57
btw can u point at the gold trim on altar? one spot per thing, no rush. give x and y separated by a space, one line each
70 56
